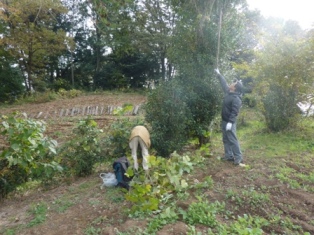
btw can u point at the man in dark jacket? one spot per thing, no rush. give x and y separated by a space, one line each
230 110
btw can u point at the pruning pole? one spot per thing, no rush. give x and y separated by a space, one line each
218 42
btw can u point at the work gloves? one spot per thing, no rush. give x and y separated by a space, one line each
217 71
228 126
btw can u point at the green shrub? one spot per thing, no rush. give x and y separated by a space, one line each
168 115
179 110
280 109
27 152
39 97
79 155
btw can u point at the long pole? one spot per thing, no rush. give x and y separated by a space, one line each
218 43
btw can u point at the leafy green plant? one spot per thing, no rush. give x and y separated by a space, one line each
291 182
142 197
288 226
28 153
192 230
234 196
153 191
183 195
204 149
255 199
79 155
91 230
251 197
248 225
243 225
203 212
126 108
39 211
306 177
295 179
207 183
167 216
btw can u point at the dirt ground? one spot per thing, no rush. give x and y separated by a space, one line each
57 113
90 209
105 99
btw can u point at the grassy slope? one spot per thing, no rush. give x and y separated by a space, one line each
278 186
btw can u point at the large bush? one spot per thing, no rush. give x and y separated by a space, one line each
168 115
179 110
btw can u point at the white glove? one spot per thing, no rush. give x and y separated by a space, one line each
228 126
217 71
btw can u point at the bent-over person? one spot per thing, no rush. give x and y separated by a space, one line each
140 137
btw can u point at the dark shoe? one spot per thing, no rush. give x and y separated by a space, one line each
123 185
228 159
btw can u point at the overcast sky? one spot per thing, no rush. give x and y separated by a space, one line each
300 10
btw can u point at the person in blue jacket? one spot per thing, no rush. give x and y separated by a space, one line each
230 109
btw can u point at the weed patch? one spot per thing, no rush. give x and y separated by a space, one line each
39 212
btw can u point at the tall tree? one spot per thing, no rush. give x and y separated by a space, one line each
31 36
77 65
137 34
156 22
193 50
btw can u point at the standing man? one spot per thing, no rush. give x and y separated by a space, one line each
140 136
230 109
